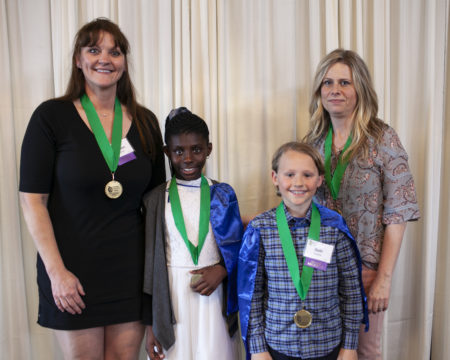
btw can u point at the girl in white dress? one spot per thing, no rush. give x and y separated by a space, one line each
200 237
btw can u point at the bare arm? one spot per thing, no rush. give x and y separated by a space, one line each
379 293
66 288
261 356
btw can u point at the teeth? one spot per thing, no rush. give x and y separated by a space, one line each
103 71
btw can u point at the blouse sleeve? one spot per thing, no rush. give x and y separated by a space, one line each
38 153
399 193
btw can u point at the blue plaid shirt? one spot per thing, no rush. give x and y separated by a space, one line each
333 299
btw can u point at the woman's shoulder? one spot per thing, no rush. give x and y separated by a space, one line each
390 144
53 106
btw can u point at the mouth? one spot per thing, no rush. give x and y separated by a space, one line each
298 192
189 170
103 71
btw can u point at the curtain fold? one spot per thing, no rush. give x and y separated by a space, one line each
246 67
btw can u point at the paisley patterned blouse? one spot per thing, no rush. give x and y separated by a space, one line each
375 192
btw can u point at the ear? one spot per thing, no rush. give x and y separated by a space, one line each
320 180
274 178
166 150
78 63
209 149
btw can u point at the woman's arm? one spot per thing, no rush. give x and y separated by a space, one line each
66 288
379 292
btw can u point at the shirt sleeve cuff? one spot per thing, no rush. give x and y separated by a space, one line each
350 340
257 344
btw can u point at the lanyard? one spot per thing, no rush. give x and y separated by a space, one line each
334 183
111 151
205 205
301 283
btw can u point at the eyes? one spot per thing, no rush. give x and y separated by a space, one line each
342 82
195 150
293 174
95 50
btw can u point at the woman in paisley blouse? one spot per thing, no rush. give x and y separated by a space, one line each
367 176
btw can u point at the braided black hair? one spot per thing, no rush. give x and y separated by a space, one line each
182 121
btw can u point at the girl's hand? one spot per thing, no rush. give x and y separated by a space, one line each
153 347
261 356
66 289
347 354
211 277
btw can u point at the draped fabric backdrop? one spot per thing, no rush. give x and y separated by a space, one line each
246 66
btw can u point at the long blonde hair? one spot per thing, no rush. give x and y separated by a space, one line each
365 122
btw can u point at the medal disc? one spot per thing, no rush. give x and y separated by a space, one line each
195 278
113 189
302 318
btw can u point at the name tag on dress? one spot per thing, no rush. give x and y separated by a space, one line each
126 152
317 255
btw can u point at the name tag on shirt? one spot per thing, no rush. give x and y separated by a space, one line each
317 255
126 152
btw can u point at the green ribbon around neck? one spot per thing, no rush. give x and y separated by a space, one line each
302 282
111 152
334 183
177 213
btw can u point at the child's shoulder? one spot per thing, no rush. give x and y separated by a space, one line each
154 194
333 219
265 219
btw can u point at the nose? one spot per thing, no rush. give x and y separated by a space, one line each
104 57
336 88
187 157
298 181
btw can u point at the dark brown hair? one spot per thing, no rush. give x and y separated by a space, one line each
145 121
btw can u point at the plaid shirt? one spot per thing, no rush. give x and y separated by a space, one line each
333 299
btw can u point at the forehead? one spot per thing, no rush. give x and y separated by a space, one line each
294 160
186 140
339 71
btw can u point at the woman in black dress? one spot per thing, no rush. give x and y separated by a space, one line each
87 159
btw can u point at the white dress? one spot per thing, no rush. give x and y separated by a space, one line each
200 330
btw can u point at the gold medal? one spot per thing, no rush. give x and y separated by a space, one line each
113 189
303 318
195 278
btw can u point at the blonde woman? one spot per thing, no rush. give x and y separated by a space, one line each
367 177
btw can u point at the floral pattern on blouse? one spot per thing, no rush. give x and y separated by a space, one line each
375 192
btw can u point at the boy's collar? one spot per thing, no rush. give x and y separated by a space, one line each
290 218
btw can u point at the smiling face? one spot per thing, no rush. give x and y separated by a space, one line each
103 64
297 180
187 153
338 92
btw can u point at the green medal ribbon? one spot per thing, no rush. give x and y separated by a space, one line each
177 213
334 183
111 152
301 283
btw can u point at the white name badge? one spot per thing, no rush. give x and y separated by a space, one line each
318 251
126 152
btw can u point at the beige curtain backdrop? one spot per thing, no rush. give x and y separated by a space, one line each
246 66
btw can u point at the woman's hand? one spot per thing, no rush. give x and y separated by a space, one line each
211 277
347 354
153 347
378 294
66 289
261 356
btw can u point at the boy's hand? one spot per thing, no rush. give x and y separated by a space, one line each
153 347
211 277
261 356
347 354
